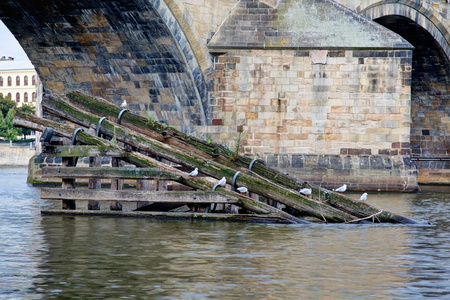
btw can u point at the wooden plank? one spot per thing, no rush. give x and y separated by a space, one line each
95 183
142 185
137 196
173 215
105 172
116 183
82 151
69 183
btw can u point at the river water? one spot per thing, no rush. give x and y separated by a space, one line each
63 257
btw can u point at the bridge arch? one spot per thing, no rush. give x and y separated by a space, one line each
144 51
421 15
430 76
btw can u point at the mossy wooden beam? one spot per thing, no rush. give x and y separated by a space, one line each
214 169
105 173
220 154
81 151
172 215
138 196
169 136
141 160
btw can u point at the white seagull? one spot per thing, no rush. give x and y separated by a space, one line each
363 197
280 205
222 181
341 188
194 172
242 189
305 191
124 103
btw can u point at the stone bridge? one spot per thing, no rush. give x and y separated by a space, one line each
318 88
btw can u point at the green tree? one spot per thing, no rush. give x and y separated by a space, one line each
9 108
6 104
28 109
7 130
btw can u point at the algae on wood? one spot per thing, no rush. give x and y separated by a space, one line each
142 160
162 141
100 107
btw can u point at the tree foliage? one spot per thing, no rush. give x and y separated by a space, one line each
9 108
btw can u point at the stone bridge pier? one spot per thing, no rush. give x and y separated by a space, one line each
332 92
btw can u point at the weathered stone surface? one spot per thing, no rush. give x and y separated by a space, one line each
371 96
119 50
316 24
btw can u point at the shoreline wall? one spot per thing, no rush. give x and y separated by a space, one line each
15 155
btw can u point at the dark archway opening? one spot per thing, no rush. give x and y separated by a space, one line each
430 88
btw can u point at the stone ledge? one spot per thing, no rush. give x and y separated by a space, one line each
360 172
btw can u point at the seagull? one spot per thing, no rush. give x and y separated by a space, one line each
242 189
341 188
305 191
124 103
280 205
363 197
222 181
194 172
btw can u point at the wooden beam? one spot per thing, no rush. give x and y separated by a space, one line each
173 215
106 173
141 160
81 151
211 168
137 196
96 106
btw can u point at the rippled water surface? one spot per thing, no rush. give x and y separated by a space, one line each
57 257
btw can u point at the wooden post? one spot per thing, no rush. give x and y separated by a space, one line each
95 183
142 185
68 183
116 184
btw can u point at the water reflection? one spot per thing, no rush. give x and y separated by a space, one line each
20 234
104 257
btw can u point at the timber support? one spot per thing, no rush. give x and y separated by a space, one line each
147 154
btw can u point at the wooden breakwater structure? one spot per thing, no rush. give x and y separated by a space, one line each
146 151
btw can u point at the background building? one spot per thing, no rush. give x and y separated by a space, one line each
19 81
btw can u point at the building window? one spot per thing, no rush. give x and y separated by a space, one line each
17 97
9 81
9 96
25 97
33 80
1 80
17 80
25 80
33 96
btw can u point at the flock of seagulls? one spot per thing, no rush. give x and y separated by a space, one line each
344 188
304 191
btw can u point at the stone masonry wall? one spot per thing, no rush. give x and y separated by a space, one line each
345 112
118 50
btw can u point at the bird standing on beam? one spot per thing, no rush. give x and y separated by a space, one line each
341 188
194 172
305 191
222 181
242 189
